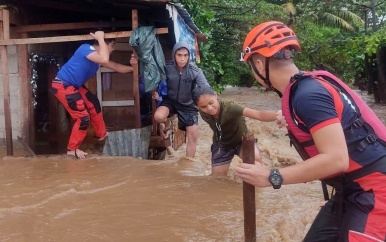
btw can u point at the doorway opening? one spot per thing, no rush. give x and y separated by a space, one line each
51 122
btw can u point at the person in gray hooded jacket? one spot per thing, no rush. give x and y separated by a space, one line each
182 77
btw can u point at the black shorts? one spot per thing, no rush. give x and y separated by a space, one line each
187 115
222 155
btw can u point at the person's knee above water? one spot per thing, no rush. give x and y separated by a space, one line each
341 140
181 77
226 119
68 87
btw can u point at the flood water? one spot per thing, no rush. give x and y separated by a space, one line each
56 198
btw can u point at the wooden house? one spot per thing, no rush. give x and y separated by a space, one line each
37 37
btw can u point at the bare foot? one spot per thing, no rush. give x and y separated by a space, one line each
104 137
171 151
79 154
168 123
164 130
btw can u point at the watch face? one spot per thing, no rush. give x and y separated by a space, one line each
275 178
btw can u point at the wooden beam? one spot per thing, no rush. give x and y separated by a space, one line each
137 110
12 18
43 40
68 26
4 34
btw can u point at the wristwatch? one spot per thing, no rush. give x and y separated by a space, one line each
275 178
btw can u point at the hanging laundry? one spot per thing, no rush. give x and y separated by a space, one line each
150 54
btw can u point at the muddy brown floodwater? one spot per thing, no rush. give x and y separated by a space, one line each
56 198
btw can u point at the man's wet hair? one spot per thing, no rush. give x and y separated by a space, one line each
198 91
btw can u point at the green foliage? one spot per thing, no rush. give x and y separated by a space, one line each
331 13
375 41
330 33
225 24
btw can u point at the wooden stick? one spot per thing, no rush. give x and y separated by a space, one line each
153 109
248 151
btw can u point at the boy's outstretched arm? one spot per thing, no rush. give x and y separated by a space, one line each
120 68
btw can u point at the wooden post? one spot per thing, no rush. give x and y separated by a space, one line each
153 109
4 34
134 18
25 94
248 151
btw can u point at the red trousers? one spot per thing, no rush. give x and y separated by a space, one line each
356 213
83 106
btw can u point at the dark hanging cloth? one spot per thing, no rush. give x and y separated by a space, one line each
150 54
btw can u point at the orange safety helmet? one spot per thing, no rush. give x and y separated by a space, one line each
269 38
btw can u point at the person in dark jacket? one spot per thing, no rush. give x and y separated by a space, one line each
181 77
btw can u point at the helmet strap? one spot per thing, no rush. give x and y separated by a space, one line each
265 79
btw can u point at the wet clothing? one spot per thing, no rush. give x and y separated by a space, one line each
314 106
228 131
357 212
222 155
179 90
187 115
82 105
78 69
181 84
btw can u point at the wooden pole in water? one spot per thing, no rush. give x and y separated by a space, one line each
248 151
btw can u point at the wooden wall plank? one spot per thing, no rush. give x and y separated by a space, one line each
68 26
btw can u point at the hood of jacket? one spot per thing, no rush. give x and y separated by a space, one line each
180 45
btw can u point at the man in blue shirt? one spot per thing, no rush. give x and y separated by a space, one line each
68 87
